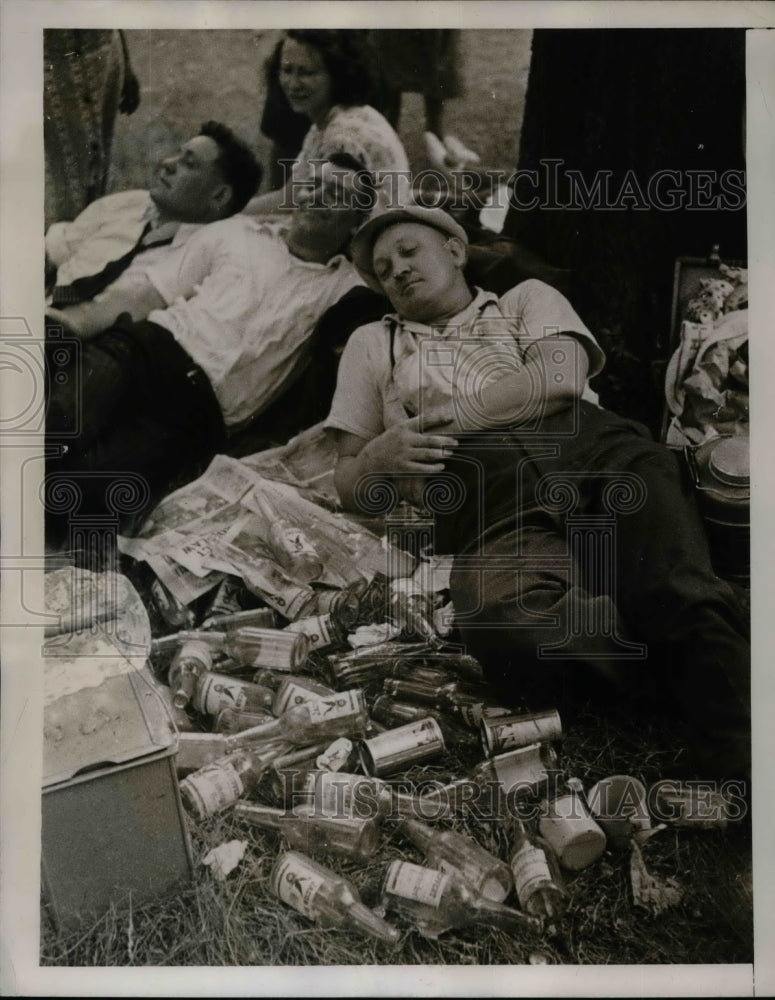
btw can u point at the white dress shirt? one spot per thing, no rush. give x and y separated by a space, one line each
244 307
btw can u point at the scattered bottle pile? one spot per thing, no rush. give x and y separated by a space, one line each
337 750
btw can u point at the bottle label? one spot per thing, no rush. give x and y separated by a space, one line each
317 630
212 788
424 885
521 731
341 794
297 885
292 693
217 692
334 706
336 756
530 870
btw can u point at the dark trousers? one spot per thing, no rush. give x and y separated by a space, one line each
601 576
132 416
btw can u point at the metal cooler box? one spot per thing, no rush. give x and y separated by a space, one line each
113 829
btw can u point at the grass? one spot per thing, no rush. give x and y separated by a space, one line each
237 922
176 70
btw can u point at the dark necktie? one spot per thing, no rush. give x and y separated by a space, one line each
84 289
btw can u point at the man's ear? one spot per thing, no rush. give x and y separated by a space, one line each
458 250
221 199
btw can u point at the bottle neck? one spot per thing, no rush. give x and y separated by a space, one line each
266 731
266 817
504 917
368 921
420 835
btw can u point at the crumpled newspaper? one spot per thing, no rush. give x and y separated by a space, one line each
223 859
648 890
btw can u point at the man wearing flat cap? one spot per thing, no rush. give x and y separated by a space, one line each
490 396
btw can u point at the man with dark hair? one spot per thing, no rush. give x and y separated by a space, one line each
211 339
213 175
236 163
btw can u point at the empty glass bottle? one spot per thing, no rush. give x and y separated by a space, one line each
296 690
413 613
172 642
537 877
232 720
214 692
392 713
195 750
320 631
446 849
339 714
286 776
254 617
271 678
329 627
192 660
449 696
370 662
313 833
277 649
438 901
172 610
218 785
341 793
342 605
226 599
182 721
290 545
325 897
408 670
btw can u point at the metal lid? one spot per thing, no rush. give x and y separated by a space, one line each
729 461
118 720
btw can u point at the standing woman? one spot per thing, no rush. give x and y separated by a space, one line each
324 75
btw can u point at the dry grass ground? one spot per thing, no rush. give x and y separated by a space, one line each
187 77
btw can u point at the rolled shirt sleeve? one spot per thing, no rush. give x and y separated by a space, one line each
539 311
359 398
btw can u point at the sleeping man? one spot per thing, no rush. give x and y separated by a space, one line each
200 342
580 561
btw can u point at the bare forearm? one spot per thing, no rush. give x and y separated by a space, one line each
350 469
401 454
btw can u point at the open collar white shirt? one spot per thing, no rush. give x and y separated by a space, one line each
109 228
244 307
393 368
